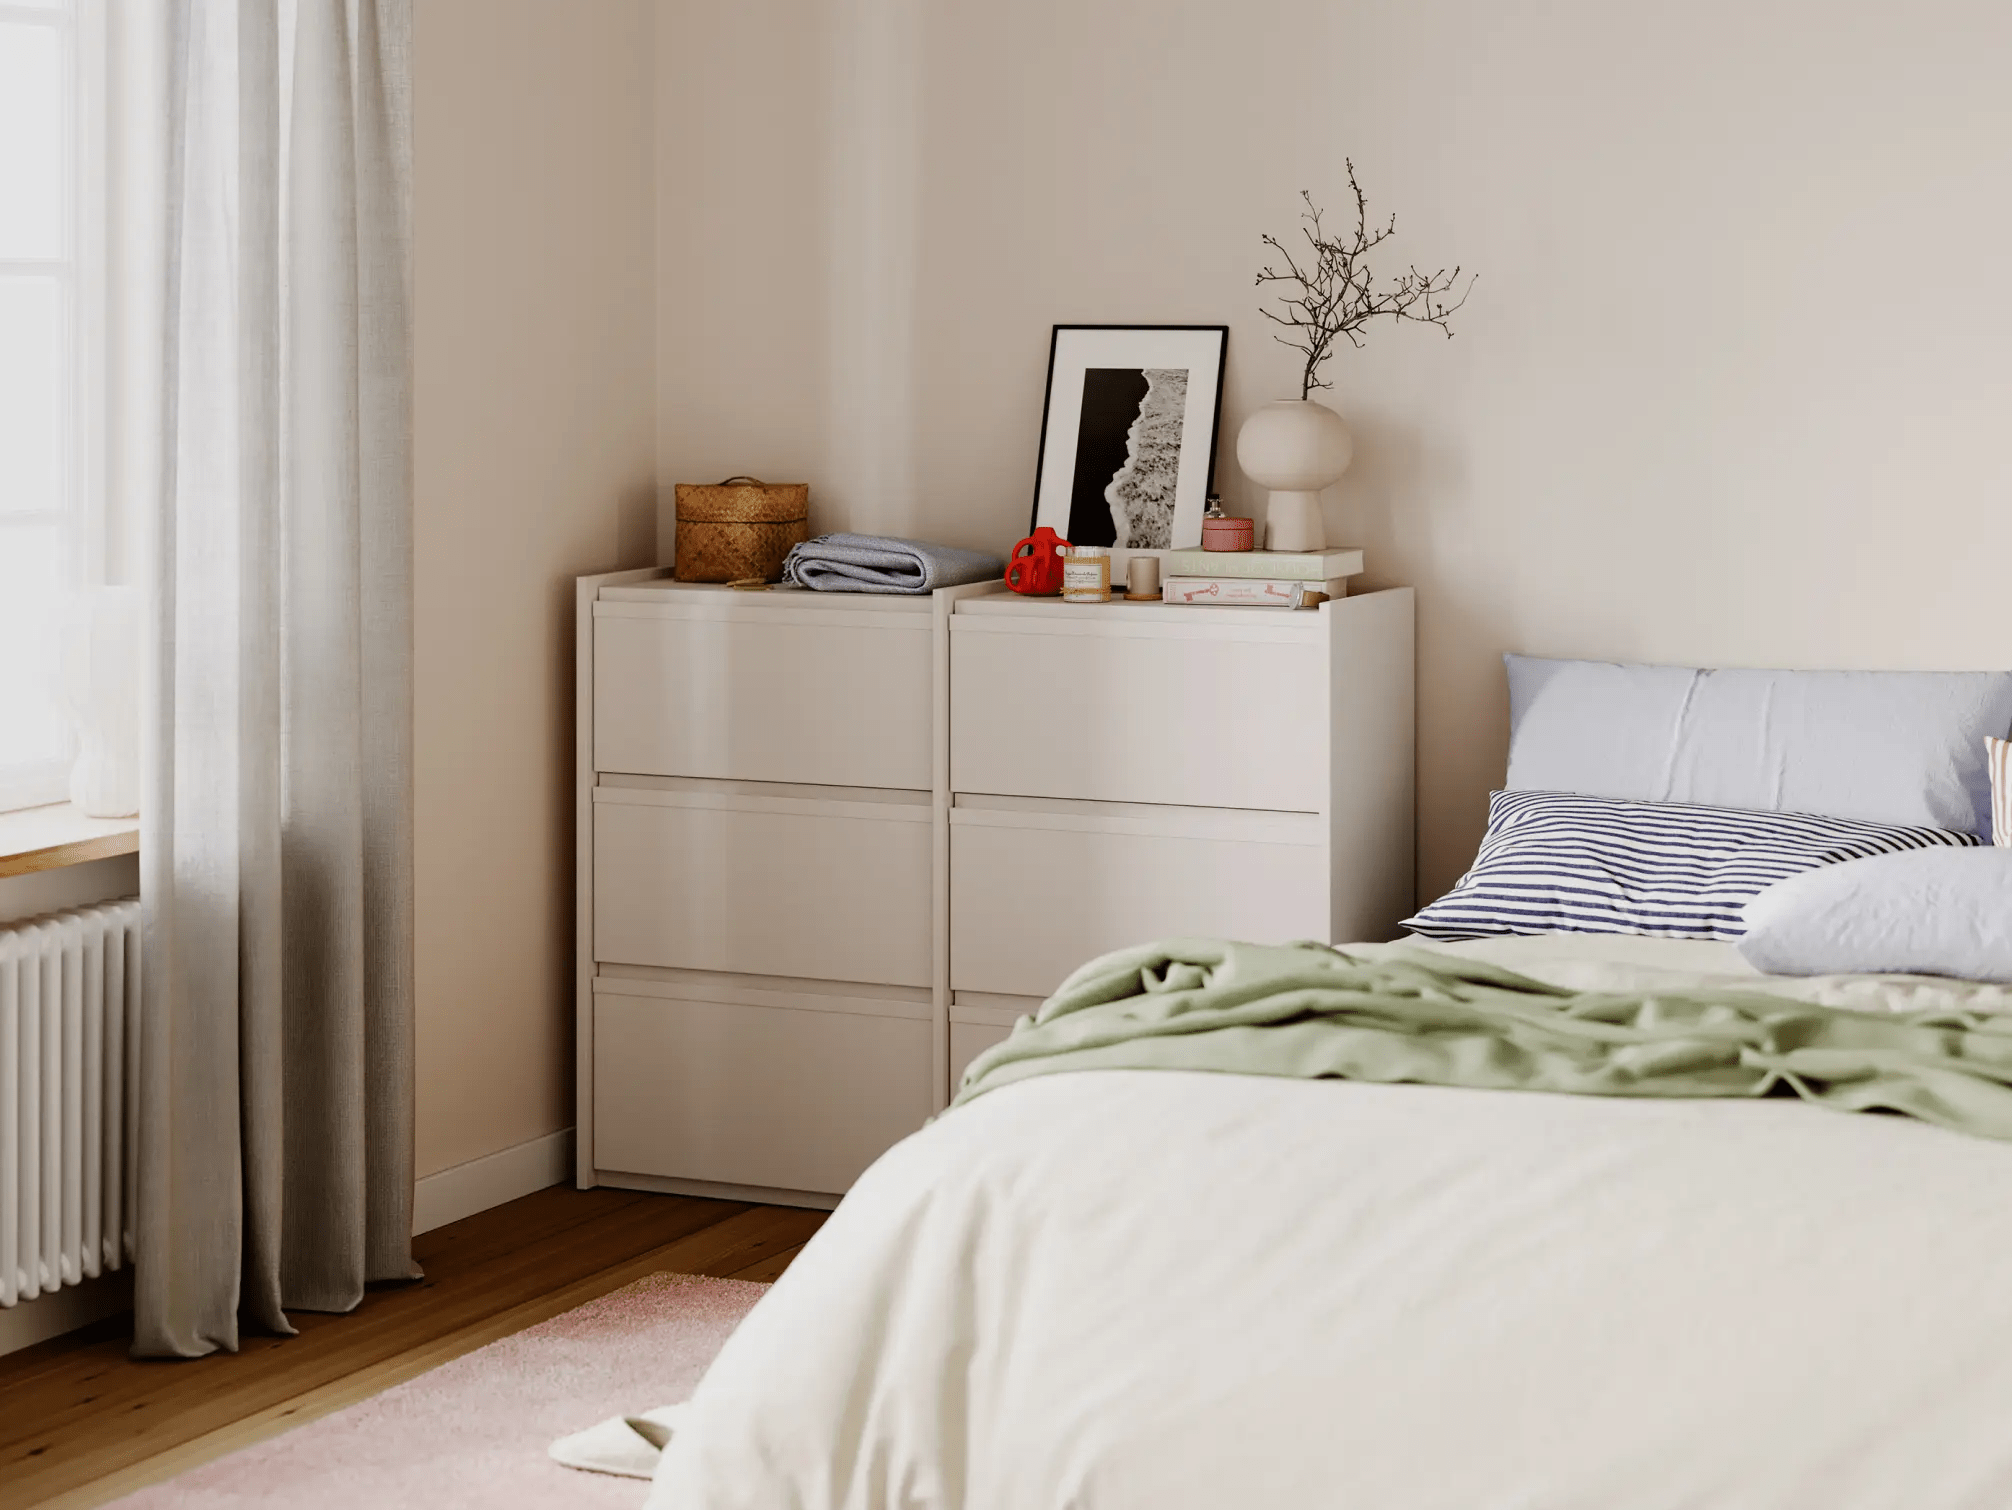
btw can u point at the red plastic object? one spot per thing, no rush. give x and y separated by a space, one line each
1228 534
1036 566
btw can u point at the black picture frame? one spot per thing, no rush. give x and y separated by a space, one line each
1114 376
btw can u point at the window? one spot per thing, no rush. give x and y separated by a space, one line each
46 475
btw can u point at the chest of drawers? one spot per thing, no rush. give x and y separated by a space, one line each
831 846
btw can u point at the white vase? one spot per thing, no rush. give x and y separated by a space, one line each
1295 448
101 695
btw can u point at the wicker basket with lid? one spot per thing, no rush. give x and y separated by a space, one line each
738 529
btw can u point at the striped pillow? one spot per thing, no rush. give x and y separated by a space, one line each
1553 862
1998 755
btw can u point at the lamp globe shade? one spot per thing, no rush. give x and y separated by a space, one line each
1294 446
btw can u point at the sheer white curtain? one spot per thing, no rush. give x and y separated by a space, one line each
45 297
276 1106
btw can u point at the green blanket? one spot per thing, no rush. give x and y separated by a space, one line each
1306 1011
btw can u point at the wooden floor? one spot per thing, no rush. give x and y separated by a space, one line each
81 1423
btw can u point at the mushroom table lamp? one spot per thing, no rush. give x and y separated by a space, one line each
1295 448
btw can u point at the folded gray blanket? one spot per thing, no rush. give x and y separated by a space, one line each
880 563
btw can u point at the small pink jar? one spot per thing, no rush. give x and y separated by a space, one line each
1228 535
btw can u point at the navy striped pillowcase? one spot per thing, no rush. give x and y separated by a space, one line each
1554 862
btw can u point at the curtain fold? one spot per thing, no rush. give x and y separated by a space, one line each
276 1092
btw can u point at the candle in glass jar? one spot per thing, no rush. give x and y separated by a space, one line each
1086 574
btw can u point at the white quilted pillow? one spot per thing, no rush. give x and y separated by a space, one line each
1924 912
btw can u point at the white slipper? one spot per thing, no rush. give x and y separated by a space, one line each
625 1445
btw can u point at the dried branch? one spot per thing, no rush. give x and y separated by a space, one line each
1335 293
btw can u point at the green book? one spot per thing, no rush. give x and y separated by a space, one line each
1287 566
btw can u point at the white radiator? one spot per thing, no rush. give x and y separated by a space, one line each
69 1036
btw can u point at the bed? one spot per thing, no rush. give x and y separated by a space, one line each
1172 1289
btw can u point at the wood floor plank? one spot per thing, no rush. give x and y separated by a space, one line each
768 1270
479 1238
83 1420
446 1253
268 1369
126 1423
786 1228
725 1243
23 1367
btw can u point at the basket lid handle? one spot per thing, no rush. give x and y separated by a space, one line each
742 477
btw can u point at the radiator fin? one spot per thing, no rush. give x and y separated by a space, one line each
69 1034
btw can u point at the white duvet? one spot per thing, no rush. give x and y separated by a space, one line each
1162 1290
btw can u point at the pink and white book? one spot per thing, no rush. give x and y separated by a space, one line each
1247 592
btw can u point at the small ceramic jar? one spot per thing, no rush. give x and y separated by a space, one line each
1142 578
1225 534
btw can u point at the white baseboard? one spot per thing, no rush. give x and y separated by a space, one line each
464 1189
31 1321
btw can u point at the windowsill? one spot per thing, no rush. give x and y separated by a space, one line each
48 838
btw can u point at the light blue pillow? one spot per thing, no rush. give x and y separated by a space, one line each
1903 747
1930 912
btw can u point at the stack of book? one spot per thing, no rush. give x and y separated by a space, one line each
1246 579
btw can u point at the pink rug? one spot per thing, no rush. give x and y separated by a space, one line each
473 1433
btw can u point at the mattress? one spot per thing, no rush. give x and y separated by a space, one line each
1170 1290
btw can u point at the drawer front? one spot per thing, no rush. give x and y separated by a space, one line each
762 886
1033 895
967 1041
818 698
1203 721
745 1095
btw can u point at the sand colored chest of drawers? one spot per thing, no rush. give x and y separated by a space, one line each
831 846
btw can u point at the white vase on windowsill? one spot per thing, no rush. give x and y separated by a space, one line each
1296 448
101 694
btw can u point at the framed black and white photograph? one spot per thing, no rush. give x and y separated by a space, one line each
1128 437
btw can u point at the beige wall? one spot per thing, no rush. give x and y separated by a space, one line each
1733 386
535 412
